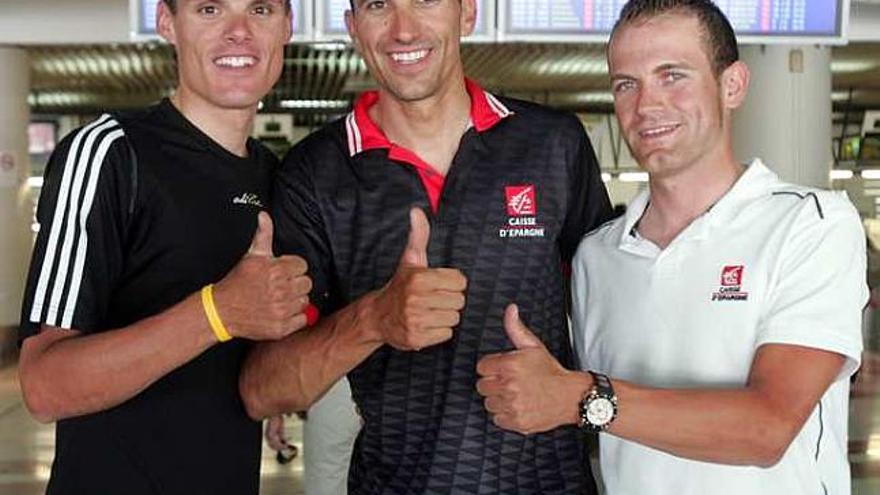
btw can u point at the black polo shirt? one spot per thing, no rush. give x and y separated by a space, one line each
137 212
523 188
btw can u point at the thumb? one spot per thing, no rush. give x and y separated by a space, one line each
517 332
416 251
262 243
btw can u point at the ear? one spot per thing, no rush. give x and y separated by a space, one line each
165 22
468 16
288 29
735 85
351 28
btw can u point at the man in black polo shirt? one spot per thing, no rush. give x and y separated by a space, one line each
138 213
412 304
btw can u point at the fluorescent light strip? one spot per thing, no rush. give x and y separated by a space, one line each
606 177
35 182
314 104
840 174
871 173
633 177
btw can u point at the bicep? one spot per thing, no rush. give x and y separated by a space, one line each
792 378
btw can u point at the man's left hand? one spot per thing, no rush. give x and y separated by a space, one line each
526 390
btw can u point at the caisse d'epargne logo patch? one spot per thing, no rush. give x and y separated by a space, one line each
731 284
522 211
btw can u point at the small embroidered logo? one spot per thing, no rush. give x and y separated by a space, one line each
248 199
521 200
522 211
731 285
731 275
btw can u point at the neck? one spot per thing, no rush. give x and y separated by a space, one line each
431 127
677 200
229 128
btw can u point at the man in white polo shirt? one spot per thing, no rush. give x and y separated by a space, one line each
720 317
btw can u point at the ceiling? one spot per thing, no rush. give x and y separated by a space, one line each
321 79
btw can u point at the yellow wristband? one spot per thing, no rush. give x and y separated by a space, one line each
213 317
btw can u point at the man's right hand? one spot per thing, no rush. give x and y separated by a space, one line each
264 298
420 305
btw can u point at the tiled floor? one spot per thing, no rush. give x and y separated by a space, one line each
26 446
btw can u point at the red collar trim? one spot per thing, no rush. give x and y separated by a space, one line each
363 134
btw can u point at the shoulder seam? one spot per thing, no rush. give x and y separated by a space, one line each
804 196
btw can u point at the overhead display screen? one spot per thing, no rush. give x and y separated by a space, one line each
143 14
752 19
330 17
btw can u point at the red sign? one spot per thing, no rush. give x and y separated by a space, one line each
521 200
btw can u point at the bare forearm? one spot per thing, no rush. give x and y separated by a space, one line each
736 426
90 373
291 374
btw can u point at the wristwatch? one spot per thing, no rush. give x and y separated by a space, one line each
598 408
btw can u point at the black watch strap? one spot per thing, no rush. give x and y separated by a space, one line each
602 383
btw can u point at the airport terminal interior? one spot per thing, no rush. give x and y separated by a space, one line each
813 115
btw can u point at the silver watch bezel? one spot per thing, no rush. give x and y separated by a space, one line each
588 421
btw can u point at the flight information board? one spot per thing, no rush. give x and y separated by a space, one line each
330 19
542 19
143 13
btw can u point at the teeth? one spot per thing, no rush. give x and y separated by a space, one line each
658 130
409 57
235 61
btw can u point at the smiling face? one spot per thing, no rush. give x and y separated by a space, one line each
673 110
411 47
229 52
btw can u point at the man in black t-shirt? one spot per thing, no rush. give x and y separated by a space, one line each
411 304
152 271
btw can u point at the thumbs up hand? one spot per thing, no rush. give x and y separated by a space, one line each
420 305
262 297
416 251
526 390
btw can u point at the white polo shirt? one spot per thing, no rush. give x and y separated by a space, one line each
770 262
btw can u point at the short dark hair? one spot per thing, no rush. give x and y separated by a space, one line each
172 4
351 3
718 36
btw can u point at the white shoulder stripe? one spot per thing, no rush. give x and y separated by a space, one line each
71 230
58 219
497 106
64 224
355 143
350 134
82 248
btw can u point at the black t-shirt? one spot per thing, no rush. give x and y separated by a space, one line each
137 212
523 189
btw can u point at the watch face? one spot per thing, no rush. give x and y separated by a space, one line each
600 411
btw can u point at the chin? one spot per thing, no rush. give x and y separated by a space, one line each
236 100
413 92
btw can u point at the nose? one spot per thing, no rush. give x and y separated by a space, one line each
649 99
238 29
404 25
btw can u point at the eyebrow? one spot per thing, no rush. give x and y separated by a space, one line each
660 68
672 66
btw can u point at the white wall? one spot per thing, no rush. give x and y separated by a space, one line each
25 22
